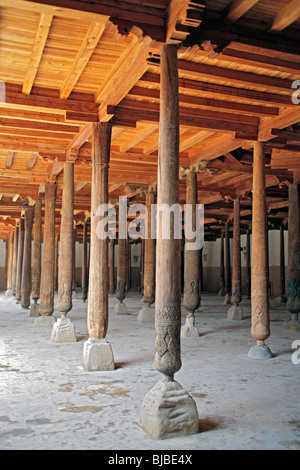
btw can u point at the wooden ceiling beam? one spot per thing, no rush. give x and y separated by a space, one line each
37 51
82 58
286 16
9 159
238 8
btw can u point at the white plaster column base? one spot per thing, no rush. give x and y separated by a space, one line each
146 314
34 310
63 331
189 329
235 313
120 309
44 320
169 411
98 355
227 300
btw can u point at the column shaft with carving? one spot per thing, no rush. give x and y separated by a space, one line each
236 312
84 272
26 266
9 247
227 265
20 260
222 266
37 257
15 260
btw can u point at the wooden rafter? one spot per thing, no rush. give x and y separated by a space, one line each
238 8
37 51
286 16
9 159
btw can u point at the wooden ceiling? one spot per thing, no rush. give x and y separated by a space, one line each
66 64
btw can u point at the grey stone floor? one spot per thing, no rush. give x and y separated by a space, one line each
49 402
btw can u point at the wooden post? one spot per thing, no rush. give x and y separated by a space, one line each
111 266
222 268
128 264
293 272
147 313
282 298
248 264
227 266
97 353
168 264
142 266
9 264
56 262
48 261
235 312
191 297
74 262
260 329
20 260
15 260
37 257
63 330
120 307
26 266
84 272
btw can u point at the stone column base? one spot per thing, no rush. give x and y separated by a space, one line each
18 301
146 314
169 411
120 309
189 329
281 299
260 352
63 331
292 325
98 355
235 313
227 300
8 292
45 320
34 310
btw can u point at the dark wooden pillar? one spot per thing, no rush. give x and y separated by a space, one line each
20 260
227 265
293 271
282 298
37 258
168 276
260 328
236 312
48 260
26 266
128 264
9 247
191 296
142 266
120 307
15 260
84 272
248 264
56 256
222 266
97 353
74 262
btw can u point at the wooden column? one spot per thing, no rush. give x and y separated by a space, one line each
147 313
26 266
168 395
128 264
260 329
20 261
111 266
142 266
63 330
222 266
282 298
236 312
15 260
191 296
37 257
48 261
227 266
293 271
120 308
74 262
56 262
9 247
248 264
84 272
97 353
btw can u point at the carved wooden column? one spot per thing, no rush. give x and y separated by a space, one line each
128 264
248 264
168 408
222 267
142 266
260 329
63 330
15 260
20 261
84 272
56 262
26 266
235 312
191 297
147 313
9 264
111 266
282 298
48 261
37 257
120 307
227 266
74 264
293 272
97 354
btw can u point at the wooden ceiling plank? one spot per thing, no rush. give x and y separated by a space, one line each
286 16
83 56
37 51
238 8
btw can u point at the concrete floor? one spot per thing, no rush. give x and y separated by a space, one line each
48 401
